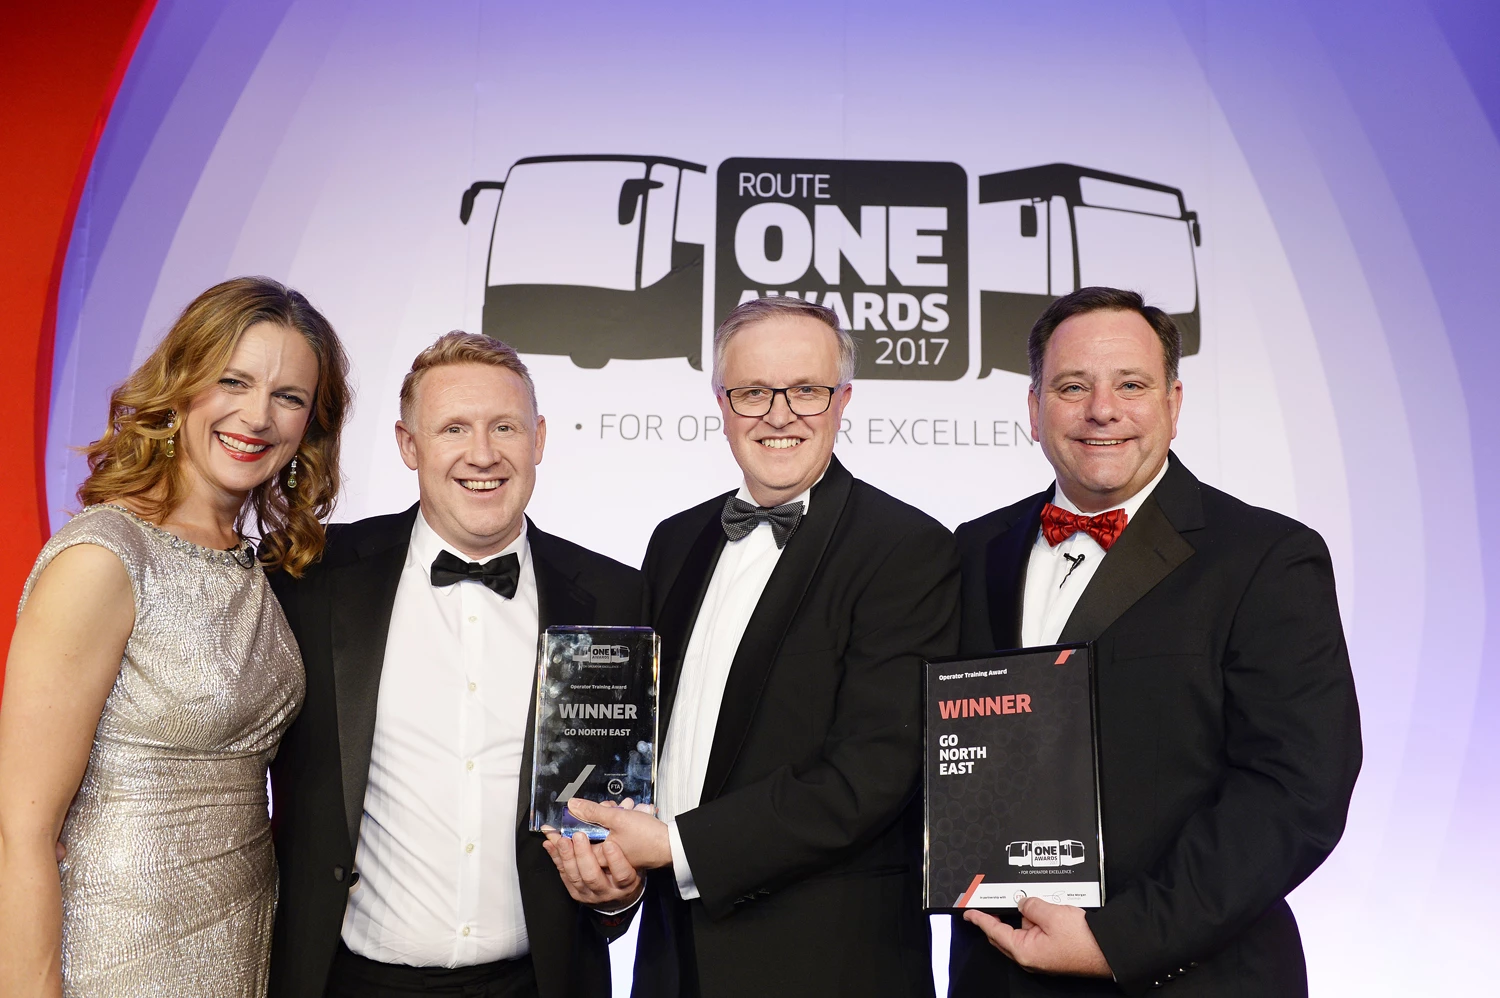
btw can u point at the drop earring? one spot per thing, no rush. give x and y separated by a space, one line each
172 440
291 475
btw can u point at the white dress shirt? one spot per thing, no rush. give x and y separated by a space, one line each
438 884
1051 591
734 591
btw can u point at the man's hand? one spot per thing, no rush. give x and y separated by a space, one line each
595 875
640 836
1052 939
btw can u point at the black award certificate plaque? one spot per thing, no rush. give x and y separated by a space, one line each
595 722
1011 781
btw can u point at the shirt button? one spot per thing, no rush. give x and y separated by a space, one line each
469 764
466 930
469 847
473 620
473 687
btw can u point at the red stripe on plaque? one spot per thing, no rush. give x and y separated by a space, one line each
1064 655
963 899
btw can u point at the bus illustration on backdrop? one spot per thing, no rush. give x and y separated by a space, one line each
601 257
1042 232
597 257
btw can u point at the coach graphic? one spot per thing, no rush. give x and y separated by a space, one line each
1044 231
600 257
597 257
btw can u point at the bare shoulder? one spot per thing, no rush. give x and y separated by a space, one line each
66 651
86 583
85 570
101 545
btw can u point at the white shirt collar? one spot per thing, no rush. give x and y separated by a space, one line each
805 498
1130 506
426 543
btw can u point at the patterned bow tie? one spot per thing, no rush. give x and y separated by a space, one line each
1058 525
740 517
498 575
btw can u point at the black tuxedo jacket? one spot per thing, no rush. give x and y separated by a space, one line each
806 846
1229 736
340 612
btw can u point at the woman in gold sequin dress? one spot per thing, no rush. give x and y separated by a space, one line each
152 672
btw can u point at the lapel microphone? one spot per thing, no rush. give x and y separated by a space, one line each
1074 560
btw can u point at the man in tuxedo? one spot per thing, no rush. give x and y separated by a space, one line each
400 797
794 613
1228 729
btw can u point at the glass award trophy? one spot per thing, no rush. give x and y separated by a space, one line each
1011 781
595 722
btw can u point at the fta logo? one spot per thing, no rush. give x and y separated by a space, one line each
883 244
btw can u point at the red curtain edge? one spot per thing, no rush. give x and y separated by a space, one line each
27 528
47 334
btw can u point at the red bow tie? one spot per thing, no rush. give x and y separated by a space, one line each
1058 525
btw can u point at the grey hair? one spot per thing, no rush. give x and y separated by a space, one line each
757 309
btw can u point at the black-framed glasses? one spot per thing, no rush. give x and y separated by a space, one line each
803 400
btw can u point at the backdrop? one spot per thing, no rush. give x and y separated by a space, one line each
1311 187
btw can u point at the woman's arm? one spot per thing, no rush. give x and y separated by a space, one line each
63 661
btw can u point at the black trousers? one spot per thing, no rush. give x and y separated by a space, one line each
354 976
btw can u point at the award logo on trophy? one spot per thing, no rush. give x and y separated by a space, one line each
595 721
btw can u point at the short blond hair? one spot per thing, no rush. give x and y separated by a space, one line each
459 347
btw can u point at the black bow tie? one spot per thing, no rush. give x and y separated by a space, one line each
740 517
498 575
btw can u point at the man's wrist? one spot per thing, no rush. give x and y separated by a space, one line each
610 912
1096 920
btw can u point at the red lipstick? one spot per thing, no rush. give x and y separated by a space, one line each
239 455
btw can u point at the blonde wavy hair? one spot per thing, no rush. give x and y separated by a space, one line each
130 460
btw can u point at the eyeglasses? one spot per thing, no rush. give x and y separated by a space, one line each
803 400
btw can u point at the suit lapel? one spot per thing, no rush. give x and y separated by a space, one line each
362 595
1006 561
679 612
768 625
558 603
1147 552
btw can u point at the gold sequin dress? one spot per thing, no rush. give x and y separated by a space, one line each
169 886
